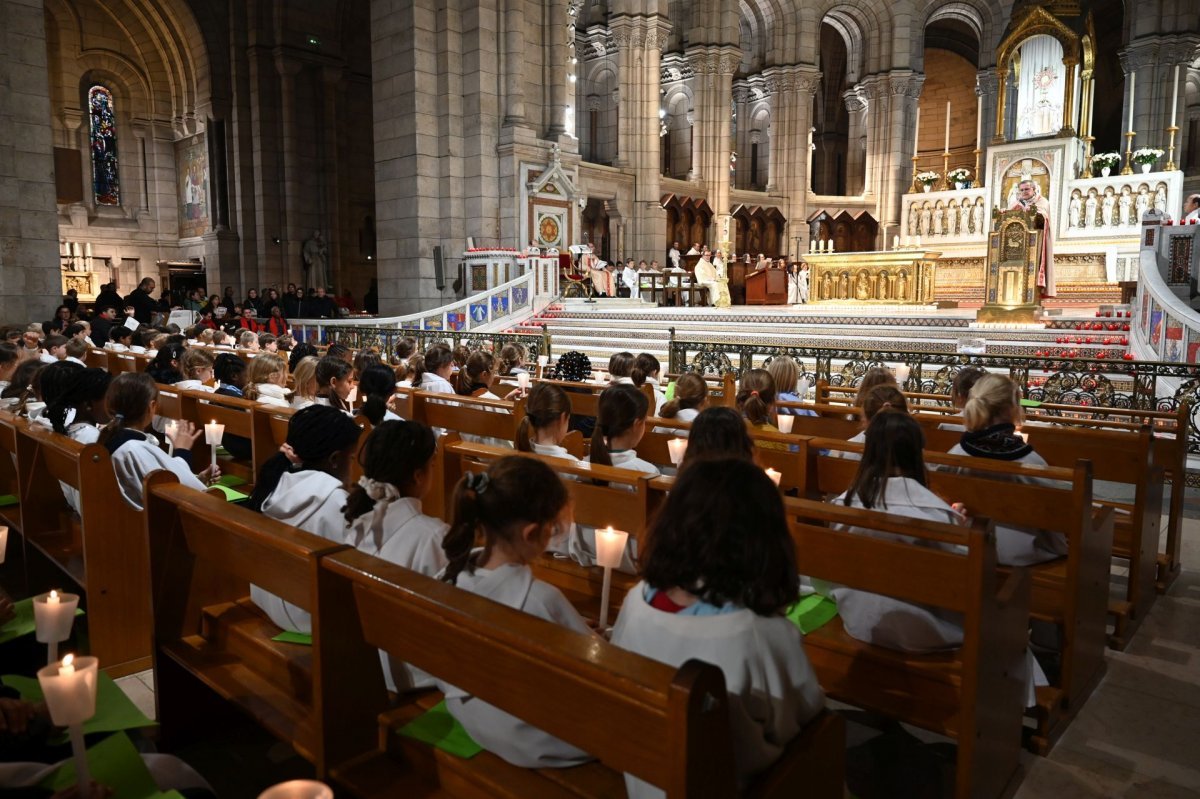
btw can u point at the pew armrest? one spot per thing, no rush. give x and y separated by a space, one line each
813 764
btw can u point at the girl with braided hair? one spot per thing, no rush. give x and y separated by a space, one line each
383 514
515 507
304 485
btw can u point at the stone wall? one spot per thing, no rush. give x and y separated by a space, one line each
948 77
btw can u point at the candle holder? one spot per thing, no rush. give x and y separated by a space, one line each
610 546
784 422
1087 156
523 381
677 447
70 692
978 174
944 183
298 789
916 186
1128 170
1171 131
53 617
213 435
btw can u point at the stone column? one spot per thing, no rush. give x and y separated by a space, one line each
792 89
896 130
1153 59
639 41
513 62
986 87
856 150
330 195
714 68
292 235
30 282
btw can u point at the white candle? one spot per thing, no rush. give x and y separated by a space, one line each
67 667
918 243
902 372
774 475
1132 86
171 427
917 130
812 245
677 446
543 360
53 615
895 242
1175 96
87 250
979 125
785 422
523 381
75 245
831 245
907 241
947 126
70 689
213 433
610 545
298 789
3 542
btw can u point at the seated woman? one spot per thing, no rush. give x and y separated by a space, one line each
718 572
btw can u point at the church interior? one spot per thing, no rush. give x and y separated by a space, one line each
507 200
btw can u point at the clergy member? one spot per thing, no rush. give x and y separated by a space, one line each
673 255
1030 199
705 275
1191 210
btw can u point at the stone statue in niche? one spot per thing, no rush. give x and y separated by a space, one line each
862 287
977 216
902 286
844 286
882 292
1126 204
1143 203
1074 210
1106 209
939 214
964 219
914 219
316 255
826 287
1160 199
1092 204
926 221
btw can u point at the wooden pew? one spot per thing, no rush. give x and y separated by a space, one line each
1071 592
101 550
10 515
204 554
202 407
97 358
669 727
973 694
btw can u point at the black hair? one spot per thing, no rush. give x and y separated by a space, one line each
718 432
376 384
393 453
723 536
73 329
621 406
120 332
300 351
328 369
165 366
644 365
227 367
69 385
338 350
893 449
435 358
24 382
544 406
515 491
314 434
128 398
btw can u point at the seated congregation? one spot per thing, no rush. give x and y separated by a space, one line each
433 531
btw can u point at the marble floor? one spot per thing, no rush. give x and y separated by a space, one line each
1138 735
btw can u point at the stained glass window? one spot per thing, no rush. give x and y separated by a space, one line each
106 182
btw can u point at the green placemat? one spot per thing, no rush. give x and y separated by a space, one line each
231 495
439 728
669 394
114 710
231 481
113 763
812 612
6 500
303 639
1028 403
23 622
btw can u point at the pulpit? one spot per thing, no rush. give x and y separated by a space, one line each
767 287
1010 291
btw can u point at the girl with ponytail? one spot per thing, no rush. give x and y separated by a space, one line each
432 371
691 396
266 380
376 386
991 414
620 424
646 369
513 509
547 421
132 400
756 400
197 368
383 514
304 485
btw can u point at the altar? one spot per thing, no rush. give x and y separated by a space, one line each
895 277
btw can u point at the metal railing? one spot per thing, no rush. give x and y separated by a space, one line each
1092 383
386 339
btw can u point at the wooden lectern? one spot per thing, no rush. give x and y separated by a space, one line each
1010 291
766 287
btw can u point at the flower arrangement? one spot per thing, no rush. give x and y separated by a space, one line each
1146 155
959 174
1110 160
928 178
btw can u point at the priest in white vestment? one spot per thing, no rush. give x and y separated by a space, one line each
1029 198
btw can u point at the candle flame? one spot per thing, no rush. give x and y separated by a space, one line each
53 595
68 660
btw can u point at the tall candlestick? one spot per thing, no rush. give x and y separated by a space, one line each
917 131
1132 86
979 124
1175 96
610 545
947 147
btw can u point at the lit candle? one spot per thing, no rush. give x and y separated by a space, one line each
677 446
784 422
69 689
979 125
1175 96
53 615
947 149
895 242
3 542
523 381
298 789
543 360
902 372
213 433
171 427
610 545
774 475
917 130
1132 86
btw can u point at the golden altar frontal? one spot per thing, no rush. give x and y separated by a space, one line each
1011 293
895 277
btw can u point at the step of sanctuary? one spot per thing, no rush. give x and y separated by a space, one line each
604 327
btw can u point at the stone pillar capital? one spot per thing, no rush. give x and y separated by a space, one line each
986 82
854 101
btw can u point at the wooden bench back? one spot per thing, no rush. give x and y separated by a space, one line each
471 415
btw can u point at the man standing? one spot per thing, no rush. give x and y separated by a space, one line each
143 304
1191 210
291 302
108 296
1030 199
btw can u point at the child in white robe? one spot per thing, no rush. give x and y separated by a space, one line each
718 572
304 485
475 380
517 504
691 397
620 424
132 400
197 368
335 381
646 370
266 380
384 518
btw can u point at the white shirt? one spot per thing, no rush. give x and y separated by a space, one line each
300 403
135 459
271 394
46 357
629 277
1193 217
312 501
194 385
436 383
772 688
499 732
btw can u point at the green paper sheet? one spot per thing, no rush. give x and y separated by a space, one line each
1028 403
230 494
669 394
114 763
303 639
6 500
22 623
231 481
812 612
437 727
114 710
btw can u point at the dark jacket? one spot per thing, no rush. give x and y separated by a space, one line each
143 304
101 328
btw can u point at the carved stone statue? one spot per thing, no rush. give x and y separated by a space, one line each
1126 203
1089 219
862 287
1143 204
926 221
939 214
1073 211
1106 209
977 216
964 219
902 286
844 286
316 256
914 219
